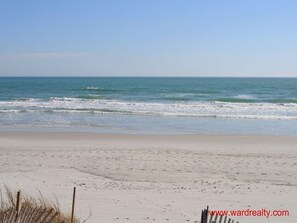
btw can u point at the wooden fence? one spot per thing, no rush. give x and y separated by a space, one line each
27 214
214 218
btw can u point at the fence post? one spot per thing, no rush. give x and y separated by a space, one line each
18 203
73 203
204 215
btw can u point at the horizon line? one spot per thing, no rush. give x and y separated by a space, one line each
144 76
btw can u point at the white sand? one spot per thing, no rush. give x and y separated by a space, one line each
137 178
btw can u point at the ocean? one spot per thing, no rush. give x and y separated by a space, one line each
149 105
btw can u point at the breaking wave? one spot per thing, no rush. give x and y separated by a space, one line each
211 109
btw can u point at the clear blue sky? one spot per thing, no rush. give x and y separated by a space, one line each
148 37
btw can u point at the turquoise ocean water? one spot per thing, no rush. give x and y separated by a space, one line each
150 105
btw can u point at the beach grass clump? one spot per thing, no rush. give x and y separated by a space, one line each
26 209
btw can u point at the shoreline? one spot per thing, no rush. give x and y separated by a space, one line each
153 178
143 124
67 131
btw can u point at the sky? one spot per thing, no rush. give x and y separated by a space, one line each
148 38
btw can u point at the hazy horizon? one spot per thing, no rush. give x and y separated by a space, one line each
138 76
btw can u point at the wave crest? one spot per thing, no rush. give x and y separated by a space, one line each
214 109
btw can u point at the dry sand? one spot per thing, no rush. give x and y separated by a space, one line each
147 178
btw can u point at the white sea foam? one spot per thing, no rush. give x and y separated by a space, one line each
244 96
91 88
195 109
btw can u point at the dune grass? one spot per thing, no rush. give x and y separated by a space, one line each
31 210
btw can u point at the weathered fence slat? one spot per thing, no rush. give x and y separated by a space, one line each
215 218
73 203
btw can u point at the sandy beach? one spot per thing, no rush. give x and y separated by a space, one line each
150 178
